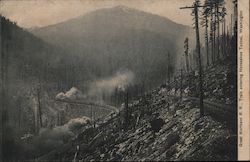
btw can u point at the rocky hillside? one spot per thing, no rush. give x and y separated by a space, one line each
162 126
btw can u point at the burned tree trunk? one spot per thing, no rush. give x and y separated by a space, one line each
39 103
126 111
181 86
199 58
206 37
186 54
218 31
195 10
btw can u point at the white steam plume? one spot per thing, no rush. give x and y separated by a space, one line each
107 86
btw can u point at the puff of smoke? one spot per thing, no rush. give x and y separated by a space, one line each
49 139
72 94
107 86
74 124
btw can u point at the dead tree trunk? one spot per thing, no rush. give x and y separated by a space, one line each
19 112
212 37
218 31
168 71
186 54
39 102
199 57
224 38
181 86
206 37
195 7
39 107
126 118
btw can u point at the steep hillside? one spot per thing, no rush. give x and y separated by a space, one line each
32 68
28 56
162 126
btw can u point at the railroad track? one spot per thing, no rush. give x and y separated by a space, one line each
219 106
220 112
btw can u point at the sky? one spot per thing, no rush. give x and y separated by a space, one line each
40 13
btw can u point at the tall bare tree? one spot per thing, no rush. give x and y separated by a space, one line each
186 52
209 8
218 7
223 29
204 23
195 10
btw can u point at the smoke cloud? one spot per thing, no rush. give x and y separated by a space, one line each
107 86
49 139
72 94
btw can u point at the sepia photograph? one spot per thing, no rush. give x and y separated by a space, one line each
120 80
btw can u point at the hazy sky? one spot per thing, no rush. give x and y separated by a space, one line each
38 13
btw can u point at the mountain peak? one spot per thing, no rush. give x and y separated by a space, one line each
112 21
122 8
